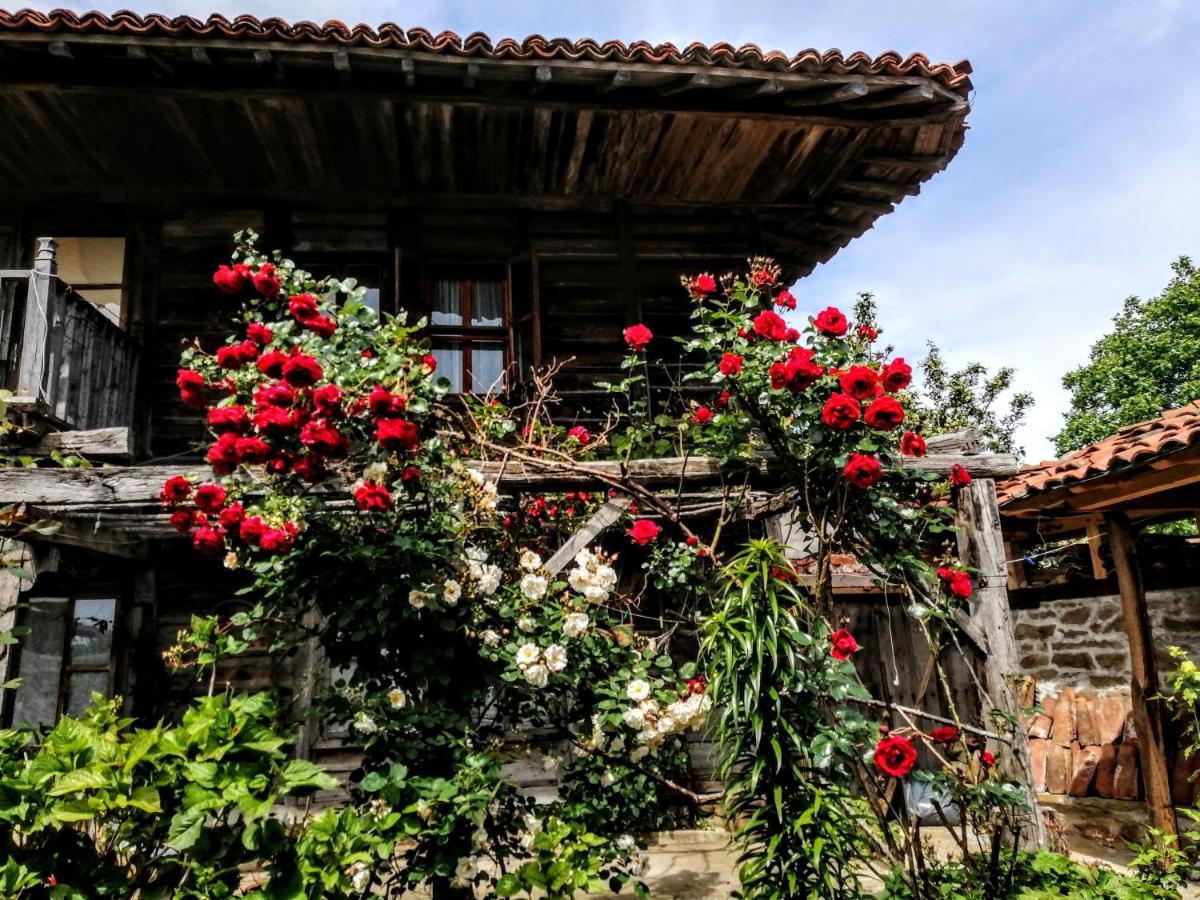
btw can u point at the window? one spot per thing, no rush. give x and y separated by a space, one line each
95 268
368 275
467 329
66 657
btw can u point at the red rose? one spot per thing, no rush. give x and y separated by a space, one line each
860 382
223 388
303 307
210 497
704 284
884 414
275 420
235 356
730 364
946 734
382 402
410 473
987 759
912 444
323 326
191 387
797 372
228 418
959 477
328 399
863 470
373 497
637 337
266 282
182 520
301 370
895 755
769 325
840 412
310 467
831 323
232 515
251 529
785 300
960 585
229 280
259 333
867 333
223 455
762 276
579 434
723 399
252 450
897 375
697 685
274 395
842 644
209 540
643 532
271 363
428 363
397 434
175 490
321 437
278 540
702 416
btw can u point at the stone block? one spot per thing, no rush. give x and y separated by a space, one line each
1058 768
1076 615
1027 692
1040 726
1126 783
1083 769
1063 731
1075 659
1111 711
1114 661
1087 724
1106 770
1183 785
1037 759
1035 634
1129 732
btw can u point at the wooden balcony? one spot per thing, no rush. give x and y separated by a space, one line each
67 364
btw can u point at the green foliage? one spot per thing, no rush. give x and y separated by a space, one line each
1148 363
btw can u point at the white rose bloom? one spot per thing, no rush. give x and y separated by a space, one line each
617 744
488 579
626 842
451 592
594 593
530 561
666 724
637 690
360 877
607 778
527 654
397 698
418 599
526 624
364 724
376 472
579 580
575 624
465 871
476 554
534 586
491 638
584 558
637 754
550 762
606 577
556 658
649 706
537 675
634 717
479 838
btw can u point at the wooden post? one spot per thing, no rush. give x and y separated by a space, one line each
41 302
12 554
981 546
1149 716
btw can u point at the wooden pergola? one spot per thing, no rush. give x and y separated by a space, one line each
1147 472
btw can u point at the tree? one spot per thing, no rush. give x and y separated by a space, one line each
1149 362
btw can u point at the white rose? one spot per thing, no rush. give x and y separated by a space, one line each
626 842
530 561
607 778
556 658
364 724
451 592
637 754
533 586
491 638
579 579
666 724
575 624
527 654
526 624
537 675
465 871
360 877
551 762
488 579
397 698
606 577
376 472
418 599
594 593
584 558
634 717
476 554
637 690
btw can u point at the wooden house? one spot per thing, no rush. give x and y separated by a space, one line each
532 198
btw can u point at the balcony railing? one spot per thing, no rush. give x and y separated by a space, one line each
63 360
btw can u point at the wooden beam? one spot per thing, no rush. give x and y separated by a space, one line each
200 55
922 161
409 68
1096 495
61 50
619 79
541 77
1014 561
767 88
15 556
141 54
605 516
1095 540
1149 714
981 547
964 441
341 63
879 188
692 82
471 76
862 204
99 443
851 90
917 93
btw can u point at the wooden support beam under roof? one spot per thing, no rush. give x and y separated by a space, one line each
153 60
924 162
341 62
850 90
914 94
689 83
619 79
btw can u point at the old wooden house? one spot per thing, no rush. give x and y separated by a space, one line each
532 198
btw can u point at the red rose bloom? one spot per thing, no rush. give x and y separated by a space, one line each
762 277
397 434
884 414
863 470
251 529
274 395
912 444
310 467
303 307
860 382
175 490
191 387
897 375
210 497
946 734
769 325
324 326
702 416
228 418
579 434
383 403
328 399
637 337
229 280
259 333
785 300
960 585
301 370
730 364
840 412
252 450
372 497
223 455
321 437
643 532
209 540
895 755
704 284
831 323
182 520
235 356
410 473
428 363
723 399
232 515
275 420
266 282
278 540
796 372
842 644
271 363
959 477
987 759
867 333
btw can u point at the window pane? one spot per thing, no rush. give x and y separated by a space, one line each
487 368
80 687
485 304
449 363
86 263
447 302
91 632
41 661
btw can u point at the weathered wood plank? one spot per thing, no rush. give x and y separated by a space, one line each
605 516
97 443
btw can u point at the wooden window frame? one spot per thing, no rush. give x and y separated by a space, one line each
69 668
468 334
124 286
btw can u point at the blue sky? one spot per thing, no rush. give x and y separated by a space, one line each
1077 186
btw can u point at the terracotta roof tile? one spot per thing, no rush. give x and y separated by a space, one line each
61 21
1141 442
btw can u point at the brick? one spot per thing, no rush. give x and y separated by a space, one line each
1037 758
1129 732
1126 784
1027 692
1063 732
1083 769
1106 771
1058 768
1040 726
1112 709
